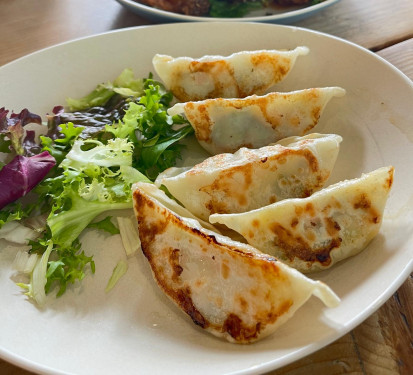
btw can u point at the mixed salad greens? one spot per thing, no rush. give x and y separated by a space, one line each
53 186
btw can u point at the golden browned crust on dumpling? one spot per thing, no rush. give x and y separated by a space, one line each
249 179
316 232
236 76
227 288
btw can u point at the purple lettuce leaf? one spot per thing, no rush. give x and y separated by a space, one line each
12 128
22 174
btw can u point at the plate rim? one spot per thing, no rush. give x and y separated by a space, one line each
303 351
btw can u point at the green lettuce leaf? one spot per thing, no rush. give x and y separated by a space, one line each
125 84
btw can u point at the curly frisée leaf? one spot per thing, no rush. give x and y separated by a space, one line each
94 181
116 152
69 267
67 225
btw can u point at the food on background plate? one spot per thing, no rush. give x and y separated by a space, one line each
229 289
250 179
188 7
316 232
221 8
226 125
236 76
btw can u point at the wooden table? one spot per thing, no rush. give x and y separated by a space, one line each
383 344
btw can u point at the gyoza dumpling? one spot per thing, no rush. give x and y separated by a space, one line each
248 179
236 76
314 233
226 125
228 288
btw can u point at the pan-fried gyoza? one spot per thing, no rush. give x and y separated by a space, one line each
315 232
236 76
228 288
225 125
249 179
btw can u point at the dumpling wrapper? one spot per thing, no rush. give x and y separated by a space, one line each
236 76
249 179
230 289
316 232
226 125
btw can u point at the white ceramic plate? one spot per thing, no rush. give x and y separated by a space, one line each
267 14
134 328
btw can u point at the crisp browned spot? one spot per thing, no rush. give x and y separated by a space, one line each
315 114
147 230
332 226
198 283
309 209
174 262
294 222
285 306
323 254
243 304
335 203
309 235
307 154
225 271
326 209
199 118
238 330
295 121
362 202
298 210
389 181
272 268
220 72
254 292
184 300
262 104
232 184
297 247
255 223
275 67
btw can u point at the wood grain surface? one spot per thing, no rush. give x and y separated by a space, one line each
383 344
29 25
